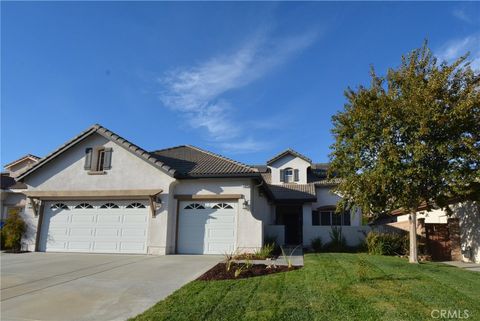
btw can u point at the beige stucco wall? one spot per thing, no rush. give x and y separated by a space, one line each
128 172
327 197
249 226
292 162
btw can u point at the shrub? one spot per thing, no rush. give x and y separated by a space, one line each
265 251
12 232
386 243
337 240
316 244
273 240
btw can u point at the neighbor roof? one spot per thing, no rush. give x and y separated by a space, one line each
291 152
191 161
143 154
28 156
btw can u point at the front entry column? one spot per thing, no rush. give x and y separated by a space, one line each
307 222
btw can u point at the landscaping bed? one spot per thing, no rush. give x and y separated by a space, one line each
221 272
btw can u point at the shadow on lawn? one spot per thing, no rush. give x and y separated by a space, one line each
391 277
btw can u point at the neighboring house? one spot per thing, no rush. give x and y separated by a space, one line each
101 193
454 237
11 191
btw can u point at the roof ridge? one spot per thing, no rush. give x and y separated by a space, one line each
108 134
22 158
222 157
289 150
168 148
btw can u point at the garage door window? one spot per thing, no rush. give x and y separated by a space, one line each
136 205
109 205
59 206
84 206
194 206
222 205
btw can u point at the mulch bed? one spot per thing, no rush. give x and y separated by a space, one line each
219 271
252 256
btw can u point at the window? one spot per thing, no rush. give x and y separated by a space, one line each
84 206
59 206
330 218
136 205
109 205
315 218
222 205
194 206
288 175
98 159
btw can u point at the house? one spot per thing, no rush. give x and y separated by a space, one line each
445 237
101 193
12 198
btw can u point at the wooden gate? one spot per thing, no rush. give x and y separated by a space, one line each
438 241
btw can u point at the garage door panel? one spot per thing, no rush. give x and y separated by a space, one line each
109 219
207 230
82 218
105 247
106 232
95 228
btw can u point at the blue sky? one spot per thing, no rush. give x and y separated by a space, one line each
246 80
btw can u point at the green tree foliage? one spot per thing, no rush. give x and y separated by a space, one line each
411 138
12 231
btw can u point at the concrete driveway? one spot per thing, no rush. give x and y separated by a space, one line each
64 287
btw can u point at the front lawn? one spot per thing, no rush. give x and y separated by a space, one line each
331 286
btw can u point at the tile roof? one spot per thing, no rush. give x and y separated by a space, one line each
290 192
191 161
286 152
36 158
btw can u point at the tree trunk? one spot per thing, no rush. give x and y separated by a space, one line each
413 257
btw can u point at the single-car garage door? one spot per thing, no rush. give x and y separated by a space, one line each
95 226
206 227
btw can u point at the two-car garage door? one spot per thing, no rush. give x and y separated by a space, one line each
95 226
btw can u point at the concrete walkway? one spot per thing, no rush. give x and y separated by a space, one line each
83 287
464 265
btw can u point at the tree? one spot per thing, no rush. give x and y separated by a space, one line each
412 138
12 231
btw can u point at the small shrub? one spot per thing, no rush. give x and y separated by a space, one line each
265 251
12 232
386 243
273 240
337 240
239 271
317 244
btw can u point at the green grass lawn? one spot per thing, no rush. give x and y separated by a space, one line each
331 286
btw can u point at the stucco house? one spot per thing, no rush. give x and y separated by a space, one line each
101 193
12 198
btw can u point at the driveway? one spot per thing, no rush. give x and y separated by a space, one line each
60 286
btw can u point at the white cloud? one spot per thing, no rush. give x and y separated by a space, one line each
197 92
248 145
462 15
458 47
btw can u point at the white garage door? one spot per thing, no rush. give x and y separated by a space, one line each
95 226
206 227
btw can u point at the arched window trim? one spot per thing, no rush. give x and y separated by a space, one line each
57 206
109 205
135 205
195 206
222 205
84 206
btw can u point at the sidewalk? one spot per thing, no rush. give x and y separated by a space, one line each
464 265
